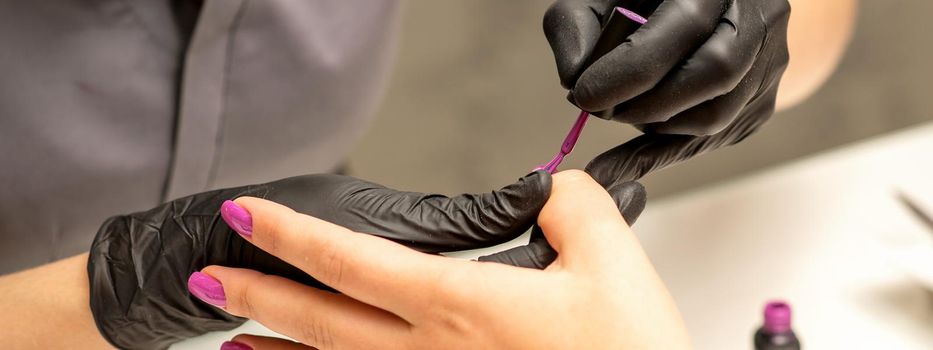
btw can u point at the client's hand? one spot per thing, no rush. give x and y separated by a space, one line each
601 292
139 263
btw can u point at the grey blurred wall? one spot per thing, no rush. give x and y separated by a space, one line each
475 102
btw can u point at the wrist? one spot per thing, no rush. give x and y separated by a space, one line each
48 299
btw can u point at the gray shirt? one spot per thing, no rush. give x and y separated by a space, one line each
107 108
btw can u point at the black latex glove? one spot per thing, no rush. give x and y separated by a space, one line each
629 196
139 263
701 74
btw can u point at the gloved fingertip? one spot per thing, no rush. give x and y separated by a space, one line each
535 255
631 197
590 96
570 97
517 205
572 28
596 169
536 182
533 173
568 69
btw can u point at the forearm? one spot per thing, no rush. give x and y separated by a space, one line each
47 308
817 36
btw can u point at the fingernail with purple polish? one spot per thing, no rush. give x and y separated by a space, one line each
232 345
207 289
237 218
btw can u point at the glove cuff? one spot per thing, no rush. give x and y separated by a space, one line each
137 278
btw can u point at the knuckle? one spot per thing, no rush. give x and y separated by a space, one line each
698 15
246 297
456 290
271 236
278 236
275 230
332 262
722 68
314 332
720 60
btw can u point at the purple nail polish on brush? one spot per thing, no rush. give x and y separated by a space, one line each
776 332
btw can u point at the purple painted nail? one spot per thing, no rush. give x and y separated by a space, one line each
232 345
207 289
237 218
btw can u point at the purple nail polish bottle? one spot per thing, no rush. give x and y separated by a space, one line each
776 332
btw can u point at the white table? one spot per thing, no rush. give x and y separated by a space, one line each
816 232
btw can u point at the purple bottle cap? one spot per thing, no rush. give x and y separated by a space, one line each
777 317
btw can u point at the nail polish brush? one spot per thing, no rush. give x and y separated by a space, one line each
615 32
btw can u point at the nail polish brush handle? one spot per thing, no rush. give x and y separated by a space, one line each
620 25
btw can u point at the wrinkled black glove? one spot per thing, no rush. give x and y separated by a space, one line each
139 263
701 74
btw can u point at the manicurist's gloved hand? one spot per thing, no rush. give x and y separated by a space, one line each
139 263
600 293
701 74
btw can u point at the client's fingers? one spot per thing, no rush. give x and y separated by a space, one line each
314 317
630 198
256 342
581 221
367 268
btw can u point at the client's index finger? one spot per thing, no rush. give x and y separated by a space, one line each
367 268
